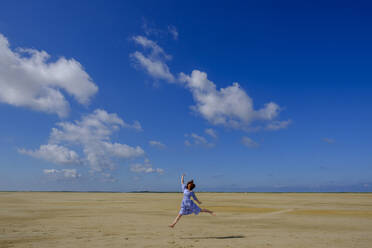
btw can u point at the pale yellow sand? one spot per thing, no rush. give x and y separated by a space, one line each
141 220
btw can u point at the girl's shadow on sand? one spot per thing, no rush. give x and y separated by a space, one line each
218 237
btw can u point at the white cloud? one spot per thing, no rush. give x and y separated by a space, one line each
154 61
197 140
173 31
145 167
157 144
249 142
54 153
92 134
27 79
211 132
150 30
155 49
62 174
136 125
107 177
276 125
156 68
230 106
122 150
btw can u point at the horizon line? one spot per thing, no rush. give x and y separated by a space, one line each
145 191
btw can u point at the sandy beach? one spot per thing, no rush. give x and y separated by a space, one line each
50 219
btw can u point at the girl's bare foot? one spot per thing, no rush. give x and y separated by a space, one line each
171 225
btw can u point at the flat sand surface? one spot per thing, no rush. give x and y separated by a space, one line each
49 219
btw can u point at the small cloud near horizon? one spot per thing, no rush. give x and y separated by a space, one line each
248 142
158 144
195 139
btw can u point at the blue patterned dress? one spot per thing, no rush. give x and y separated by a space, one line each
188 206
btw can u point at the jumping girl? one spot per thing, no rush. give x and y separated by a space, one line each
188 206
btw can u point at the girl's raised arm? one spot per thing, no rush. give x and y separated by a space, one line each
183 183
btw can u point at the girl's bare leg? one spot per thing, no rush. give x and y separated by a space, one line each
176 220
207 211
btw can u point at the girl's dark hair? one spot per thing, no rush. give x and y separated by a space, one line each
192 184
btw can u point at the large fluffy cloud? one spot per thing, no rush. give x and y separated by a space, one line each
27 79
92 136
230 106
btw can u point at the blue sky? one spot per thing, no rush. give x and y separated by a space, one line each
258 96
